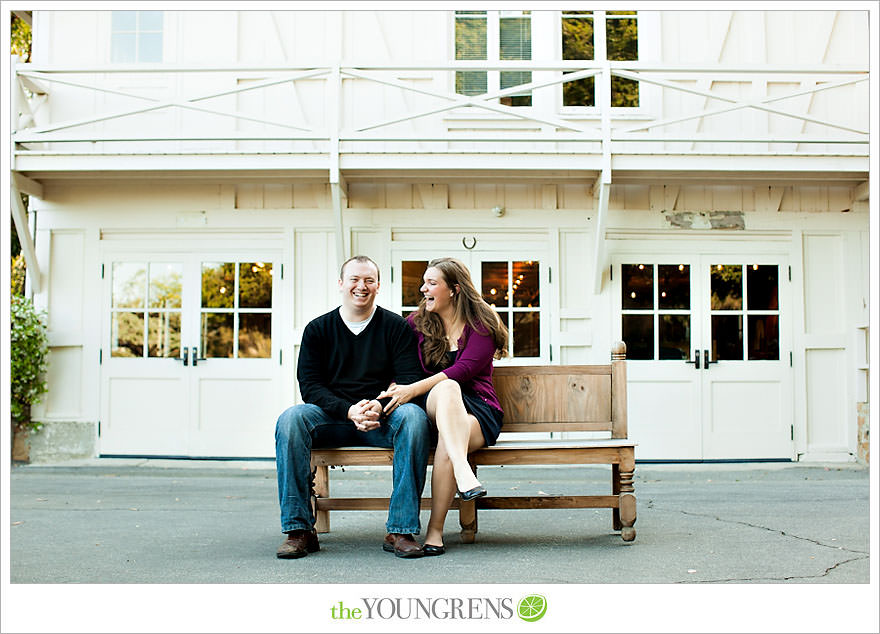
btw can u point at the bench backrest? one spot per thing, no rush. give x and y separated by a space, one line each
565 397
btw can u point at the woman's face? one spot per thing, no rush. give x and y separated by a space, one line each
438 295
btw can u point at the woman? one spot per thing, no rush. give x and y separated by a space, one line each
459 335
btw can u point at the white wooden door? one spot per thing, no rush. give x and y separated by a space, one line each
746 375
190 354
708 345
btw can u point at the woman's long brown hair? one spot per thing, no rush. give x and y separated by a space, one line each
469 308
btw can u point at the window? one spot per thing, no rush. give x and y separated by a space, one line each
511 287
621 43
236 310
511 35
146 308
747 303
656 307
136 36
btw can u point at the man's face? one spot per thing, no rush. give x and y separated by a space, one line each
359 286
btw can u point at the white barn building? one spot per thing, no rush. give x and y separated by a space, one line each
694 183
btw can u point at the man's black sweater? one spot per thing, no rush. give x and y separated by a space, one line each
337 368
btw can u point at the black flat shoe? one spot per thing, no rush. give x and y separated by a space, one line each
472 494
430 550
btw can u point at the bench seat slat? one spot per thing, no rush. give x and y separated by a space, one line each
504 502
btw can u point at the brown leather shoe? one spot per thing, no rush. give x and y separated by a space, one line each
402 545
298 544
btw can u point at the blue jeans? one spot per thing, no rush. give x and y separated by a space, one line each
301 427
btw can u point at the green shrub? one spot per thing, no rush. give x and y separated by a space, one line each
17 274
28 351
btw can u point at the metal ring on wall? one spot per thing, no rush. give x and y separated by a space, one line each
464 243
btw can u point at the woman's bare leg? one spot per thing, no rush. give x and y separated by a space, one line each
454 426
443 484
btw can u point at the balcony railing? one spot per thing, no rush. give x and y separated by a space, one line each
412 109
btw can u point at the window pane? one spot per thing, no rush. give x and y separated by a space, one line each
218 285
622 39
674 285
515 38
638 335
471 82
127 335
624 93
149 20
412 279
123 48
727 337
255 285
509 79
580 92
764 337
470 37
527 334
164 334
577 35
504 317
165 285
149 47
763 284
124 20
129 284
638 286
577 43
526 284
217 331
255 336
495 283
470 43
675 337
726 281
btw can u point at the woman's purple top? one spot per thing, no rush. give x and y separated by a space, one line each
473 363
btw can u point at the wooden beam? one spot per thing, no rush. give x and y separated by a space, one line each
20 218
599 243
28 186
860 193
339 200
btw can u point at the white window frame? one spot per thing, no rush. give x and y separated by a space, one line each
493 55
648 43
547 43
166 24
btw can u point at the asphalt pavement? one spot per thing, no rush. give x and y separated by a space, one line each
129 521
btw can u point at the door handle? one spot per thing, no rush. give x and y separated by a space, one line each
696 361
706 361
185 357
196 357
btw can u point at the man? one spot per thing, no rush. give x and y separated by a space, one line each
347 357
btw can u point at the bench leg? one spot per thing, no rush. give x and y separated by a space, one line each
627 500
322 490
615 490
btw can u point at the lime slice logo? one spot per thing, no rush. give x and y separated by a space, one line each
532 608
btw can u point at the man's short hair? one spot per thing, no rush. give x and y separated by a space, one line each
363 259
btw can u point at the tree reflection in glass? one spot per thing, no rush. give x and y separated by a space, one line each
726 283
218 284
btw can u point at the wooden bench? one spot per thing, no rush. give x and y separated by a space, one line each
536 399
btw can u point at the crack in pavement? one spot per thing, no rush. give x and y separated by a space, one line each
824 574
773 530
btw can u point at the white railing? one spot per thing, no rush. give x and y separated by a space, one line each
428 116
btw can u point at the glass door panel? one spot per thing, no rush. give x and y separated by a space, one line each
236 310
655 304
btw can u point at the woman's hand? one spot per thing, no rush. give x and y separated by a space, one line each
399 394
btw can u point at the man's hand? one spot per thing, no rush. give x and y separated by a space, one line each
399 395
365 414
